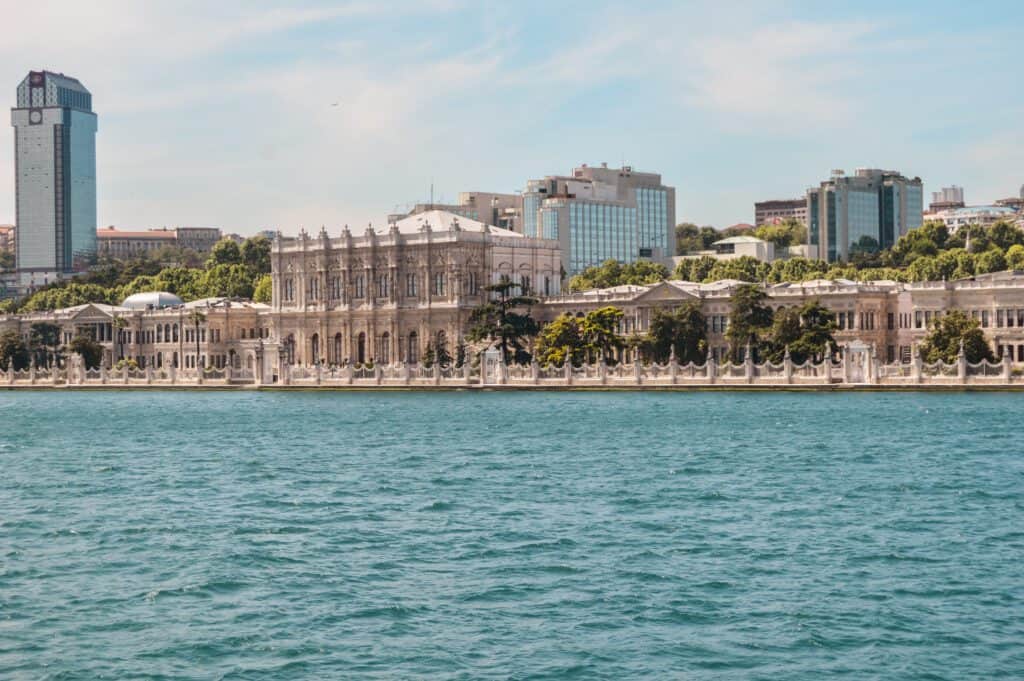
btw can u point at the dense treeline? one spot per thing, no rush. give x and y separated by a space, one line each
231 270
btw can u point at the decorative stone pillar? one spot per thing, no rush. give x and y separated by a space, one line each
350 373
787 367
437 373
124 374
467 371
638 373
915 366
406 373
103 374
149 374
567 368
673 365
378 374
229 373
10 374
319 373
711 368
961 364
81 374
602 371
32 373
748 365
172 371
1008 363
534 371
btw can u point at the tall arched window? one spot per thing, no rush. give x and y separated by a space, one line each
289 349
413 355
382 286
167 333
159 333
314 346
361 349
360 286
337 348
174 329
385 348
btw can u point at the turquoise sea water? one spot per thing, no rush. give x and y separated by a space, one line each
511 536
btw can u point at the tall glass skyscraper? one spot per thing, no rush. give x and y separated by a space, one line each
602 214
862 213
55 176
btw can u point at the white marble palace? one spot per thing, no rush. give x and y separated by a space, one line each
382 297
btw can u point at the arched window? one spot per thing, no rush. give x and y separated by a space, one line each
337 348
410 285
413 355
289 349
360 286
159 333
174 360
175 331
159 359
382 286
385 348
314 346
167 333
361 348
439 283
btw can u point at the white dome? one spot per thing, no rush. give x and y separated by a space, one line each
151 300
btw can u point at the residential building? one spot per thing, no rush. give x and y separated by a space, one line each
116 243
946 199
55 176
867 211
8 243
602 213
780 210
492 208
955 218
383 297
730 248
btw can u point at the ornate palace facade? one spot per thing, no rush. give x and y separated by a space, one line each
384 297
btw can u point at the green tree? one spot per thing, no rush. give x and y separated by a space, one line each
991 260
743 268
197 318
13 351
560 341
224 252
690 238
613 273
796 270
7 260
255 252
90 350
231 281
498 319
1004 235
1015 257
683 330
43 340
750 321
807 330
429 356
695 269
460 353
599 333
948 332
784 234
264 291
442 356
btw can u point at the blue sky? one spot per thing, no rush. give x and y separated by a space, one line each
222 113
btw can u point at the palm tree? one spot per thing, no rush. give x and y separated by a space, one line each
120 324
197 317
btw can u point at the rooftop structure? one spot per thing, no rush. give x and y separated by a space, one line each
120 243
955 218
780 210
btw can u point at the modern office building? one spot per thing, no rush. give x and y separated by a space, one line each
864 212
602 213
779 210
55 176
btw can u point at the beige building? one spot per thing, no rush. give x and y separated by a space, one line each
118 243
384 297
779 210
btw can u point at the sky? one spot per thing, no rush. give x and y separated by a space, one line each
248 115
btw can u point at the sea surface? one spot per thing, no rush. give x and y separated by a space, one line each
224 535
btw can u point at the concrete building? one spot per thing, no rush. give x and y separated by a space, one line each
8 242
55 175
868 211
947 198
955 218
780 210
602 213
384 297
117 243
492 208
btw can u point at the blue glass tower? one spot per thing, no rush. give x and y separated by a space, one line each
55 175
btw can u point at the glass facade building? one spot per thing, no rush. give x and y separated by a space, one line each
863 213
600 214
55 170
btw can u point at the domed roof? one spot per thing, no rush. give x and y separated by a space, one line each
151 300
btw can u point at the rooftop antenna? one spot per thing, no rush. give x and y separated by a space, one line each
431 193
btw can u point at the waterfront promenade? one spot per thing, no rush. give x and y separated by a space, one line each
854 371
